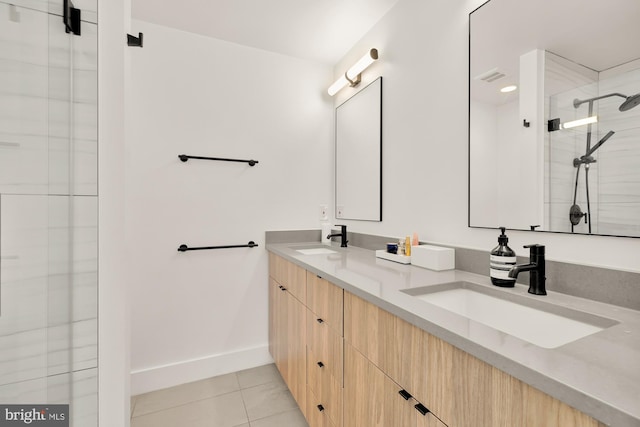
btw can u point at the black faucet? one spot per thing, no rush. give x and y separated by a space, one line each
536 269
342 235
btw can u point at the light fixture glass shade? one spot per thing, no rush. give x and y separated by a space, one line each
580 122
339 84
352 74
362 64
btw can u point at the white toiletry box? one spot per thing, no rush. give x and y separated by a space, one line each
402 259
433 257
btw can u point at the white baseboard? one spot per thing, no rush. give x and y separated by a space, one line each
159 377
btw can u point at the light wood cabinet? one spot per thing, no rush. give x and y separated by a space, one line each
287 338
326 346
316 414
460 389
326 301
371 331
371 398
327 390
277 326
367 398
325 349
345 360
289 275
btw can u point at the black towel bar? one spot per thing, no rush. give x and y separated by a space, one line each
185 157
185 248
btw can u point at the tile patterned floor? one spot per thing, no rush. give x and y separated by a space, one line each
256 397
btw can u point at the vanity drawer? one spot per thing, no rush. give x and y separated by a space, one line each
289 275
371 331
326 345
325 300
318 411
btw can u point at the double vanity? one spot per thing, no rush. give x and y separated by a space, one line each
362 341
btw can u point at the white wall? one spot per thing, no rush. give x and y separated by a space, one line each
203 313
484 197
424 60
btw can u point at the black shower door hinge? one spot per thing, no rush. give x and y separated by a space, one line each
71 18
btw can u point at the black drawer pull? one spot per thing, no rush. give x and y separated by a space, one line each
320 364
405 394
283 288
320 408
318 276
422 409
280 287
320 320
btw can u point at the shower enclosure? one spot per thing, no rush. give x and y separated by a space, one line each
594 181
48 207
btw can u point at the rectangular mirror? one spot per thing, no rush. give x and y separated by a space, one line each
359 155
564 61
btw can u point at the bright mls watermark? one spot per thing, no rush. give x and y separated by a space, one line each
34 415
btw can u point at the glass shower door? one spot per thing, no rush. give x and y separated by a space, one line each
48 210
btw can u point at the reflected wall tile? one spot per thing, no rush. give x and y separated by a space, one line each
620 168
620 219
23 102
80 390
22 79
24 392
25 41
85 112
60 114
59 165
85 234
86 167
72 347
23 356
24 266
73 286
23 146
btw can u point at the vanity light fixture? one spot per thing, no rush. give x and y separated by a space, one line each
508 89
352 76
554 124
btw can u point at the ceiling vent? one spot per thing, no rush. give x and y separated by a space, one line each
490 76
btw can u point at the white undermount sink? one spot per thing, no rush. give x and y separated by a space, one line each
315 251
543 324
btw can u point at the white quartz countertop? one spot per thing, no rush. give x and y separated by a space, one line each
598 374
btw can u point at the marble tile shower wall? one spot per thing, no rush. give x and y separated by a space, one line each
48 207
614 180
619 158
567 83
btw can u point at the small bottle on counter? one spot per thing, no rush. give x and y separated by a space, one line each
501 260
407 246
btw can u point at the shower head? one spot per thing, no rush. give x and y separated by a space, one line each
632 101
629 101
579 102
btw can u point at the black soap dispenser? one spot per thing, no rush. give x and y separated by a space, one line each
502 259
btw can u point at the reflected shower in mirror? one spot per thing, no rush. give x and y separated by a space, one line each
359 155
561 151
